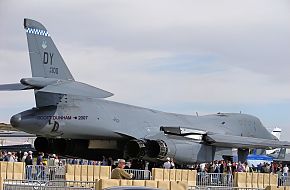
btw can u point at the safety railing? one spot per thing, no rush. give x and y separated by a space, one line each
223 188
48 185
214 179
140 174
284 181
44 173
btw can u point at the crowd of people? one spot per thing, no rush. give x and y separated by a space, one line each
231 167
212 167
221 166
29 159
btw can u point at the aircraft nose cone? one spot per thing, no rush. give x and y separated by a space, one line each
15 120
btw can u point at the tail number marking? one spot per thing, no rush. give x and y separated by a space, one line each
53 70
47 58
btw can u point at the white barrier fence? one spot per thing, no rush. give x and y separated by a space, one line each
284 181
47 185
140 174
224 188
214 179
44 173
47 173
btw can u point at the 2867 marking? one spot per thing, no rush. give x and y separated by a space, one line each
83 117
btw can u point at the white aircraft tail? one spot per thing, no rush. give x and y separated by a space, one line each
277 132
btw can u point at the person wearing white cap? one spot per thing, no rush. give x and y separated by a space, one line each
10 157
167 164
25 154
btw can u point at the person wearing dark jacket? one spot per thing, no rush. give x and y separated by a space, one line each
28 163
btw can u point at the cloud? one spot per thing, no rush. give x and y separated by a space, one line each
194 78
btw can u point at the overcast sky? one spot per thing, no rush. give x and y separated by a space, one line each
204 56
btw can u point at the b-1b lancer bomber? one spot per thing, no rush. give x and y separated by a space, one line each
75 119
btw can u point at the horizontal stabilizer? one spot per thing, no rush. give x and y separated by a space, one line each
15 86
243 142
57 86
77 89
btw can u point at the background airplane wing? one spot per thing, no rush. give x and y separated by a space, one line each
243 142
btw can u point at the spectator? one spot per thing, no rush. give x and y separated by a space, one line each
119 172
240 167
28 159
40 166
259 167
267 168
104 161
28 164
280 177
56 160
19 156
222 166
167 164
10 157
202 167
25 154
39 160
53 162
247 168
110 161
285 172
172 163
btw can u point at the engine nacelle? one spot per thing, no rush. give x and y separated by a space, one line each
182 150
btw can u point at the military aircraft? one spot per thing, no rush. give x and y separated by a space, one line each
75 119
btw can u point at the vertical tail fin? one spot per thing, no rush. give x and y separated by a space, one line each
45 59
277 132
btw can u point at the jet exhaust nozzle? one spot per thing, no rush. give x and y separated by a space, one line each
136 148
151 148
157 149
